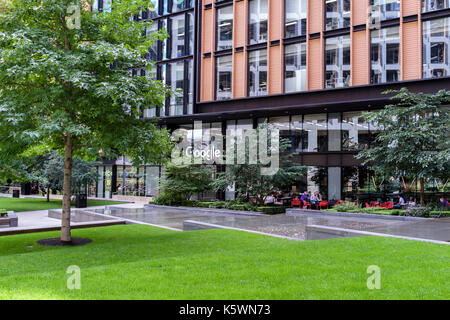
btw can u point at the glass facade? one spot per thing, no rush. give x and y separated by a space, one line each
384 55
224 77
337 14
431 5
295 67
173 56
326 132
436 42
385 9
258 21
337 61
295 17
224 28
175 79
257 73
177 36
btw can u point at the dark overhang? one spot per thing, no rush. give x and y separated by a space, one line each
326 100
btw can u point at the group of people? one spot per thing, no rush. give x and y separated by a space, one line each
402 204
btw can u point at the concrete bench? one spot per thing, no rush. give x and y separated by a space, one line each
10 220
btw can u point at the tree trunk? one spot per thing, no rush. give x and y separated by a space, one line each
65 223
422 191
48 194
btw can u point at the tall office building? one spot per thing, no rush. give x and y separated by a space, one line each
308 67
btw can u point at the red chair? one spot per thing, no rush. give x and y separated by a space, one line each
389 205
306 205
323 204
367 205
295 203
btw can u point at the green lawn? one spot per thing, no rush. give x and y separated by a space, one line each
142 262
34 204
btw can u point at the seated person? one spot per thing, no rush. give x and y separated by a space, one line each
411 202
401 203
304 196
315 199
270 199
444 203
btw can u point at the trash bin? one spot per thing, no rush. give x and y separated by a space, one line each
16 194
81 201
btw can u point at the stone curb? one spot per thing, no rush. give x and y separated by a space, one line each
204 210
301 212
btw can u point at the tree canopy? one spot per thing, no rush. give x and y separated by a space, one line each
413 137
66 83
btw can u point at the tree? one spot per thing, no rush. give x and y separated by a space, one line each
186 180
413 137
249 180
66 83
51 173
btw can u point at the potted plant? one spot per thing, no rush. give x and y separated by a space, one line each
3 213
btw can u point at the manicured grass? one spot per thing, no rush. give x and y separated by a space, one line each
142 262
34 204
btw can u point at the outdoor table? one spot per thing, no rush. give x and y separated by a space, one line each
286 201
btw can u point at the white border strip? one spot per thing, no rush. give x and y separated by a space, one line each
368 233
133 221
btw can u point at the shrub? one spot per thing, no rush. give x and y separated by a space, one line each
3 212
272 210
169 199
347 207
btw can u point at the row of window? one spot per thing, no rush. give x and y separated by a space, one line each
384 61
337 15
323 132
180 42
178 76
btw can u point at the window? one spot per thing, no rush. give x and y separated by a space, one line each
431 5
296 13
436 41
163 53
176 74
191 33
337 14
316 134
224 75
337 58
178 5
153 51
384 55
385 9
224 28
295 67
355 131
257 76
177 36
153 10
257 29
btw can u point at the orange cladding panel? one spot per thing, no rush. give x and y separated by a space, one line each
411 60
315 64
239 75
410 7
275 70
360 59
208 31
359 12
207 80
276 19
315 16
